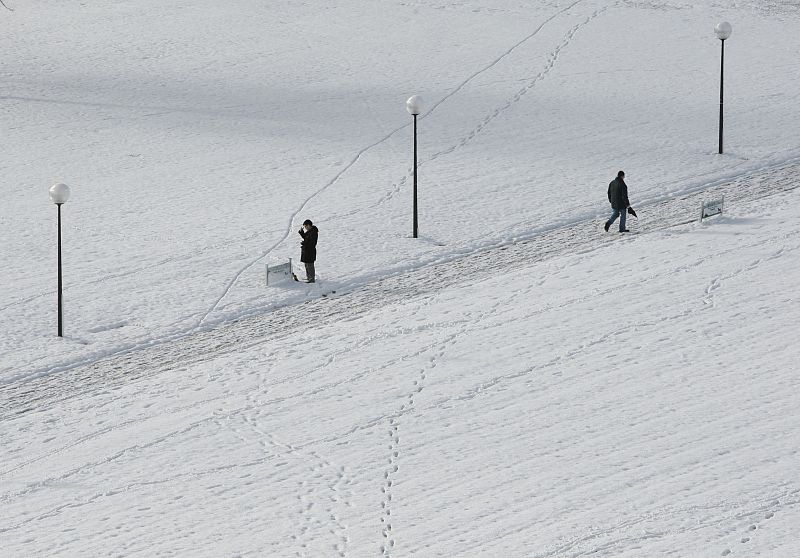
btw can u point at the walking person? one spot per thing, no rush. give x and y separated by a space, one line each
618 196
308 248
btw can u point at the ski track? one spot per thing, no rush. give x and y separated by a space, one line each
583 237
354 161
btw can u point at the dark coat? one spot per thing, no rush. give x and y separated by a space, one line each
308 247
618 194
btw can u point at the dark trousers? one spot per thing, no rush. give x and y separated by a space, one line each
310 271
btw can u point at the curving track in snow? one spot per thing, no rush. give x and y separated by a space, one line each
548 67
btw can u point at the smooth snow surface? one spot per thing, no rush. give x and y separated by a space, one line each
514 383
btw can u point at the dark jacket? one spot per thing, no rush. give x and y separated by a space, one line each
618 194
308 247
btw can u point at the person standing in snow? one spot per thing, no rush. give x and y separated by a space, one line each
618 196
308 248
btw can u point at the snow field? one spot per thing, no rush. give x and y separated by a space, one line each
514 383
193 154
507 416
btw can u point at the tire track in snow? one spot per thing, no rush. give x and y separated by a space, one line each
358 156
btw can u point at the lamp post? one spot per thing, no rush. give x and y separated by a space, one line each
414 107
59 194
723 31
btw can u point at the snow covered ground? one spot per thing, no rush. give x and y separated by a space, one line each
196 136
514 383
634 399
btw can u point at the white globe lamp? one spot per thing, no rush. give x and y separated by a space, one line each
59 193
414 105
723 30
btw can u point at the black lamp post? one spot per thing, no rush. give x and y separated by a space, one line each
723 31
59 194
414 107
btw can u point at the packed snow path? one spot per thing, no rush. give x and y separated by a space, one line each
79 379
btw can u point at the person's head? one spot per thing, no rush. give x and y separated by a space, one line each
307 224
621 174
